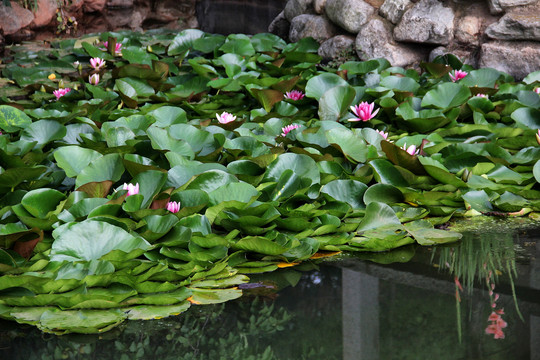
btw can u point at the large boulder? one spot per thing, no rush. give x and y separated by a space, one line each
46 12
336 46
13 18
293 8
516 26
349 14
393 10
318 27
94 5
280 26
319 6
375 41
515 58
426 22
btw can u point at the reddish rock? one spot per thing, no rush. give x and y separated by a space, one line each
94 5
14 18
46 11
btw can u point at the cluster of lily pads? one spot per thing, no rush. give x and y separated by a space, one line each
141 173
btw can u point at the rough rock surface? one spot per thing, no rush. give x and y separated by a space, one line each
297 7
467 56
505 4
14 18
336 45
45 13
468 30
393 10
94 5
319 6
316 26
349 14
516 26
280 26
515 58
119 3
375 41
426 22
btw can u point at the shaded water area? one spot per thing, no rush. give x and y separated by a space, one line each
405 304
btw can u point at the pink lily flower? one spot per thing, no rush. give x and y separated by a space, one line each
411 150
131 189
97 63
383 134
173 206
61 92
481 95
117 47
287 129
294 95
93 79
537 90
457 75
225 118
364 111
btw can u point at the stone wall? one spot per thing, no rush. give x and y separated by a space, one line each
502 34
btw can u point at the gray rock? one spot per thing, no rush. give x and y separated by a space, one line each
293 8
506 4
318 27
426 22
349 14
333 47
375 41
495 7
515 58
14 18
393 10
280 26
468 30
319 6
119 3
516 26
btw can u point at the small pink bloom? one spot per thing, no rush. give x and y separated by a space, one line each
383 134
494 316
131 189
364 111
97 63
61 92
481 95
537 90
225 118
173 206
287 129
117 47
93 79
457 75
294 95
411 150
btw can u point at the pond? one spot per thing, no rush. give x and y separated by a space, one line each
346 308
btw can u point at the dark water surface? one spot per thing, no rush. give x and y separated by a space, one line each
348 308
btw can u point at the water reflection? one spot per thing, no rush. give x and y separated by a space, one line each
349 309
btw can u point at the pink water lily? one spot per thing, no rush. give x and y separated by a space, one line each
383 134
61 92
411 150
93 79
225 118
481 95
173 206
97 63
294 95
537 90
287 129
457 75
364 111
117 47
131 189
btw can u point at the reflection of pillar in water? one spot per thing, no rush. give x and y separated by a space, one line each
535 320
360 316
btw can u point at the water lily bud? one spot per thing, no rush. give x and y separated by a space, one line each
93 79
42 89
538 136
466 175
149 48
61 84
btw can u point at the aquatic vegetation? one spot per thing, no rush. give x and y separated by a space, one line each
252 200
294 95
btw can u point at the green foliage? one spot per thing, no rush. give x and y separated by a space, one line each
252 198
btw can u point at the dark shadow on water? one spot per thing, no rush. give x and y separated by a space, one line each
237 16
347 309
